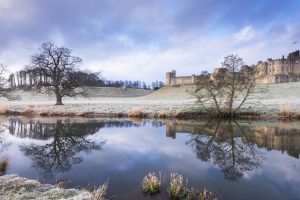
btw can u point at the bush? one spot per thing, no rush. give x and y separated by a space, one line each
152 183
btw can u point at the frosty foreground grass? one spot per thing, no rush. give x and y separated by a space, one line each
15 187
100 193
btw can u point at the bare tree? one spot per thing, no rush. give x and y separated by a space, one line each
225 91
4 92
58 67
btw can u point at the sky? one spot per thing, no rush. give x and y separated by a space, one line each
143 39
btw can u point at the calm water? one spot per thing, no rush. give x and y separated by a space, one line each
236 159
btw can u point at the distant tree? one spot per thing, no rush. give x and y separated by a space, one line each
58 71
3 85
156 85
225 91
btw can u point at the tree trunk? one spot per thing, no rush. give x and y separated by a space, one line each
58 97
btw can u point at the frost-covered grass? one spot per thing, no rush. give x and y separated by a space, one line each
166 102
15 187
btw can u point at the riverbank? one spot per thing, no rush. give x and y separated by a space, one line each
276 101
15 187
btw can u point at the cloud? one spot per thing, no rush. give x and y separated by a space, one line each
136 39
245 34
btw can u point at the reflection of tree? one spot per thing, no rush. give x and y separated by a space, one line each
3 143
60 153
233 154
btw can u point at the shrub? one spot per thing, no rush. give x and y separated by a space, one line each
285 110
152 183
4 162
136 112
177 188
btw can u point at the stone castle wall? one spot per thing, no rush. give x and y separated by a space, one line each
171 79
271 71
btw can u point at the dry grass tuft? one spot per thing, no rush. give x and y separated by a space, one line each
201 195
26 110
177 188
4 163
285 111
3 109
152 183
100 193
136 112
178 114
298 113
162 115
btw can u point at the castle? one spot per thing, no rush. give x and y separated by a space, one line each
279 70
271 71
172 79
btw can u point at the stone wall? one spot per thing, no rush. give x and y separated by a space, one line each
171 79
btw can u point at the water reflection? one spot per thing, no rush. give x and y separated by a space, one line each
65 141
232 158
235 147
234 154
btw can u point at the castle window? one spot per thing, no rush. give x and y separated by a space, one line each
282 69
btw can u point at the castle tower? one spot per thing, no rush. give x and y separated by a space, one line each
170 77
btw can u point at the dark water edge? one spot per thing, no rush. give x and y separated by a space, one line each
242 159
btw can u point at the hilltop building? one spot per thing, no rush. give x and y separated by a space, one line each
171 79
271 71
279 70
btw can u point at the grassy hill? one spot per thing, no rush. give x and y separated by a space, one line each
286 92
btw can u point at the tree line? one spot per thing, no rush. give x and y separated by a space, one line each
26 79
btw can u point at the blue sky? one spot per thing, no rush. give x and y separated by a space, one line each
142 39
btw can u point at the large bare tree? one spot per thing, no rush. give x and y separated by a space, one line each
225 91
58 68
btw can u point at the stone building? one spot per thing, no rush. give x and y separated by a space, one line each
279 70
172 79
271 71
